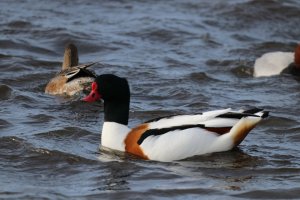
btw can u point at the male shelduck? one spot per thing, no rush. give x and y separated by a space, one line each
73 78
275 63
167 138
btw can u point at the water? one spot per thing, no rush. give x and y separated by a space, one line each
179 57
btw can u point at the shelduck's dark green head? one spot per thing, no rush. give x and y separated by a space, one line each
109 87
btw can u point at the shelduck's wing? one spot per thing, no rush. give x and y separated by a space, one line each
219 121
178 120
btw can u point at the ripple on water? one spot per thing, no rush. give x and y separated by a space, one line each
26 100
73 140
24 155
4 124
5 92
272 46
242 71
40 118
293 134
11 145
280 122
30 80
239 68
220 63
243 38
201 77
293 193
67 132
19 24
7 44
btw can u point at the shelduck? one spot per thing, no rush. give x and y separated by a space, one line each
275 63
73 78
167 138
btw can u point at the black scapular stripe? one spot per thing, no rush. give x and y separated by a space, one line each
256 110
233 115
155 132
247 113
161 131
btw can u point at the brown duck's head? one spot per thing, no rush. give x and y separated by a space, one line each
70 56
297 56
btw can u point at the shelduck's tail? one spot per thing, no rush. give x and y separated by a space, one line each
249 119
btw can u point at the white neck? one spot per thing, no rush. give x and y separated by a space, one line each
113 135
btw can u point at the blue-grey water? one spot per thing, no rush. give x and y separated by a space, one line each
179 57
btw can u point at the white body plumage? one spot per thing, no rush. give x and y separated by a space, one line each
180 137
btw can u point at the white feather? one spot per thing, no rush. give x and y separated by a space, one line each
186 119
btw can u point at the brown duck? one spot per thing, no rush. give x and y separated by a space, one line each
73 78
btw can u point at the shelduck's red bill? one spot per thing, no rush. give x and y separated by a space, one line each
94 94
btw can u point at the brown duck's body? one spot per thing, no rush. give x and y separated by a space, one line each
73 78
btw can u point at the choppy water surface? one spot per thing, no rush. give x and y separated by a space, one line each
179 57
